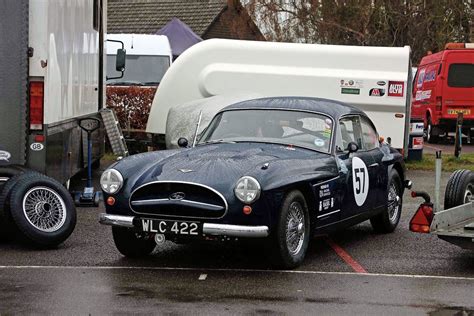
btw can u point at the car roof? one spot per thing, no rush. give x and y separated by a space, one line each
334 109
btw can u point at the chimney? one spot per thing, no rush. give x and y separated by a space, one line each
233 3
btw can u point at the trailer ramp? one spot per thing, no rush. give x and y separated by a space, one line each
114 132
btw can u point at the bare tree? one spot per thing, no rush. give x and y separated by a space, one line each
425 25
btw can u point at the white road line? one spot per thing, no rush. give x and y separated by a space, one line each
410 276
202 277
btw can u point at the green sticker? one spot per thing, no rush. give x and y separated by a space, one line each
350 91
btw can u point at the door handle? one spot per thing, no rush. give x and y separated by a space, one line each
375 164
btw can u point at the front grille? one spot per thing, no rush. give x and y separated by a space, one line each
178 199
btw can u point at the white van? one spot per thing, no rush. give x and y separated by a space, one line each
375 79
148 58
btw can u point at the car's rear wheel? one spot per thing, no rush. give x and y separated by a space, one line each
291 236
460 188
430 136
132 244
387 221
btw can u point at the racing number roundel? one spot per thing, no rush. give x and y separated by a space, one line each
360 180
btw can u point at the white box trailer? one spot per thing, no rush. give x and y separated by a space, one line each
374 79
51 75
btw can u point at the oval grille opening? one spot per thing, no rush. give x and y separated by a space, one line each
177 199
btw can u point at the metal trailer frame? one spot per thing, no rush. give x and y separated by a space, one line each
454 225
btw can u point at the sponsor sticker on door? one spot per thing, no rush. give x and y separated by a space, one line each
396 88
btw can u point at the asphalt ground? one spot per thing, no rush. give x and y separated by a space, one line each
352 271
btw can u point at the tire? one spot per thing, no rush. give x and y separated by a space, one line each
288 253
460 188
430 137
131 245
42 209
387 221
4 197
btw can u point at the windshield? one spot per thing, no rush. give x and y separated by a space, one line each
287 127
139 70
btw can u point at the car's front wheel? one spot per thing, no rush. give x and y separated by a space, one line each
291 236
131 244
387 221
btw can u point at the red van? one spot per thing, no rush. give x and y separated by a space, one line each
444 87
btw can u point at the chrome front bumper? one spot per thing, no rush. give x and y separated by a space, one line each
207 229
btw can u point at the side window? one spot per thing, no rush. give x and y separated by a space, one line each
369 135
350 131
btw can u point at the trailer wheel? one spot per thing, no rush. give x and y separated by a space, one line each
460 188
42 209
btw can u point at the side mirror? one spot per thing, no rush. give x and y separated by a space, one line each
120 60
352 147
182 142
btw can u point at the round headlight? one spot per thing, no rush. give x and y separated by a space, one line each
247 189
111 181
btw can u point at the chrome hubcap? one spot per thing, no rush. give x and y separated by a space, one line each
393 203
295 230
44 209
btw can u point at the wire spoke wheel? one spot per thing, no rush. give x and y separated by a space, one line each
393 202
295 228
44 209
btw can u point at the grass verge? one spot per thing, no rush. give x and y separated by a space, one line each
109 157
450 163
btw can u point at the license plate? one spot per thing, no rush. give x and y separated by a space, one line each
171 227
456 111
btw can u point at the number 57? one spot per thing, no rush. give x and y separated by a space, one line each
360 180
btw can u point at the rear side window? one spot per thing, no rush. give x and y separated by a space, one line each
350 132
369 135
461 76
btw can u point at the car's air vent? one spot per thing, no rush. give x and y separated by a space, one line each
178 199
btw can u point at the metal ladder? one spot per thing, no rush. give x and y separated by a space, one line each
114 132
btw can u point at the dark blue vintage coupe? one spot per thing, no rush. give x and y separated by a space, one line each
282 168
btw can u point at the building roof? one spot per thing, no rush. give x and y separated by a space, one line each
148 16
